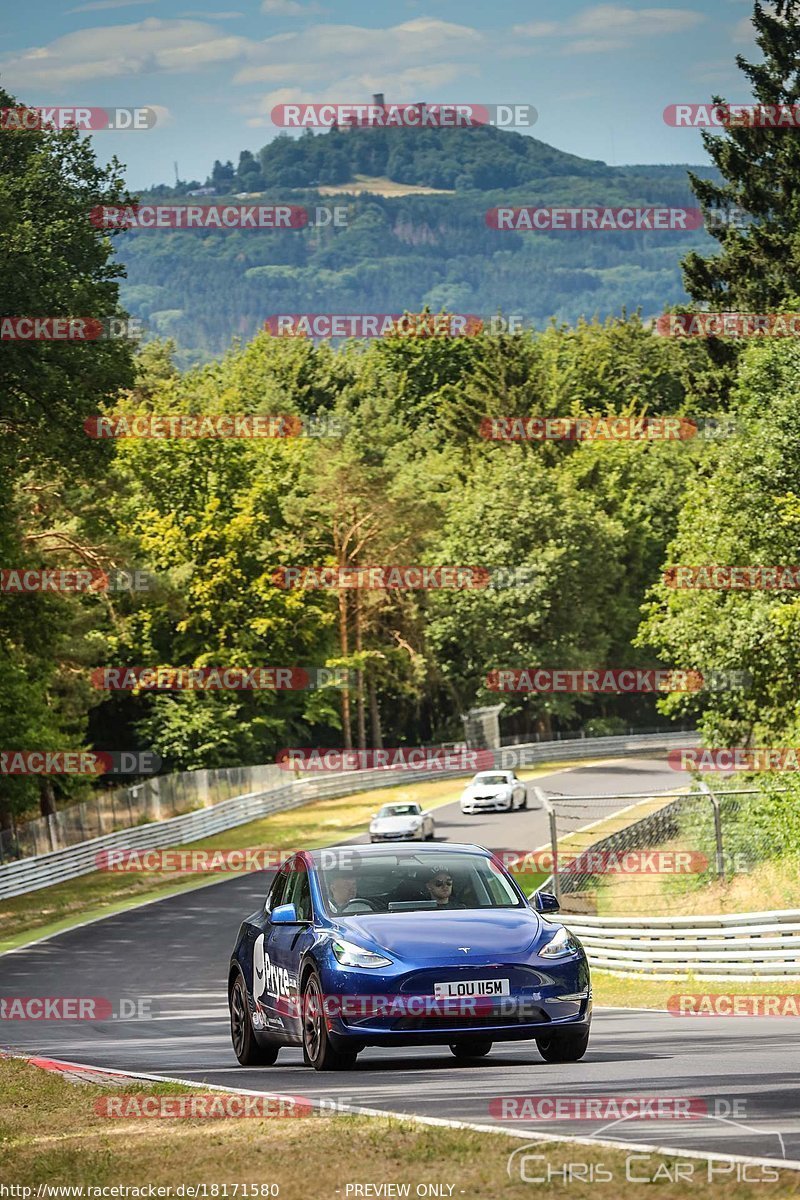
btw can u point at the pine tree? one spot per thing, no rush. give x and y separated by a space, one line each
759 267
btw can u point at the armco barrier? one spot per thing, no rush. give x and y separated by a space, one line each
762 945
29 874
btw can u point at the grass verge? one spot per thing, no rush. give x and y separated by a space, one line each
50 910
51 1134
645 992
774 884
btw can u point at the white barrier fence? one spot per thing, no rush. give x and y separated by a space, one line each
763 945
30 874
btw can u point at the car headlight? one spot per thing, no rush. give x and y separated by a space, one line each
350 955
415 822
561 945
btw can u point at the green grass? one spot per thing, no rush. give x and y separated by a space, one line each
51 1133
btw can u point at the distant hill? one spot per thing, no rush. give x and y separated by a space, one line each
403 251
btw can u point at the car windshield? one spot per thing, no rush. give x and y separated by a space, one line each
393 883
399 810
483 779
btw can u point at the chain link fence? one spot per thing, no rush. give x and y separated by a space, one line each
154 799
646 854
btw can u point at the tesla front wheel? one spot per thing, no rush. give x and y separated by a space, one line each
563 1046
474 1049
245 1046
318 1052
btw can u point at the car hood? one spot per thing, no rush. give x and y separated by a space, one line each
428 936
392 824
486 789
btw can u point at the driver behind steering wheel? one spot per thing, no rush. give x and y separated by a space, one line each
343 888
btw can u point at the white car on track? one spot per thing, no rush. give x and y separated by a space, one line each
494 791
401 823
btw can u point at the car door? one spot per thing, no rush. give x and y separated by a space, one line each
265 1015
285 948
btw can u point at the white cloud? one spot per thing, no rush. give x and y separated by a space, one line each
417 83
327 53
609 27
744 31
116 51
212 16
594 46
613 18
288 8
538 29
97 5
342 57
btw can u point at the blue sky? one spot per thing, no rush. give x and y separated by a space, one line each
599 75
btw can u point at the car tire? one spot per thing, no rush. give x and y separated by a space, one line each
478 1048
524 804
318 1051
429 836
563 1046
245 1047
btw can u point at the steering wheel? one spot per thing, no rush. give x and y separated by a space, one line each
370 906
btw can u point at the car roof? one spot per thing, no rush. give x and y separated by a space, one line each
370 851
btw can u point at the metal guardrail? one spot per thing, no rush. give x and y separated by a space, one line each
43 870
762 945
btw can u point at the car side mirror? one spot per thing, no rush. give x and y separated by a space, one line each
284 914
543 902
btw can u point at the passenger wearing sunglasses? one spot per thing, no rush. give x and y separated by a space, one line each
439 886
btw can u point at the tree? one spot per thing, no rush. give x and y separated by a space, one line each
741 509
53 262
759 267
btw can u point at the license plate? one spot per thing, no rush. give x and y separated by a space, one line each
473 987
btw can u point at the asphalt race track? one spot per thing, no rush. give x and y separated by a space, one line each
174 954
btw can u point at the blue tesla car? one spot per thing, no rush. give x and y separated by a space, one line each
405 945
